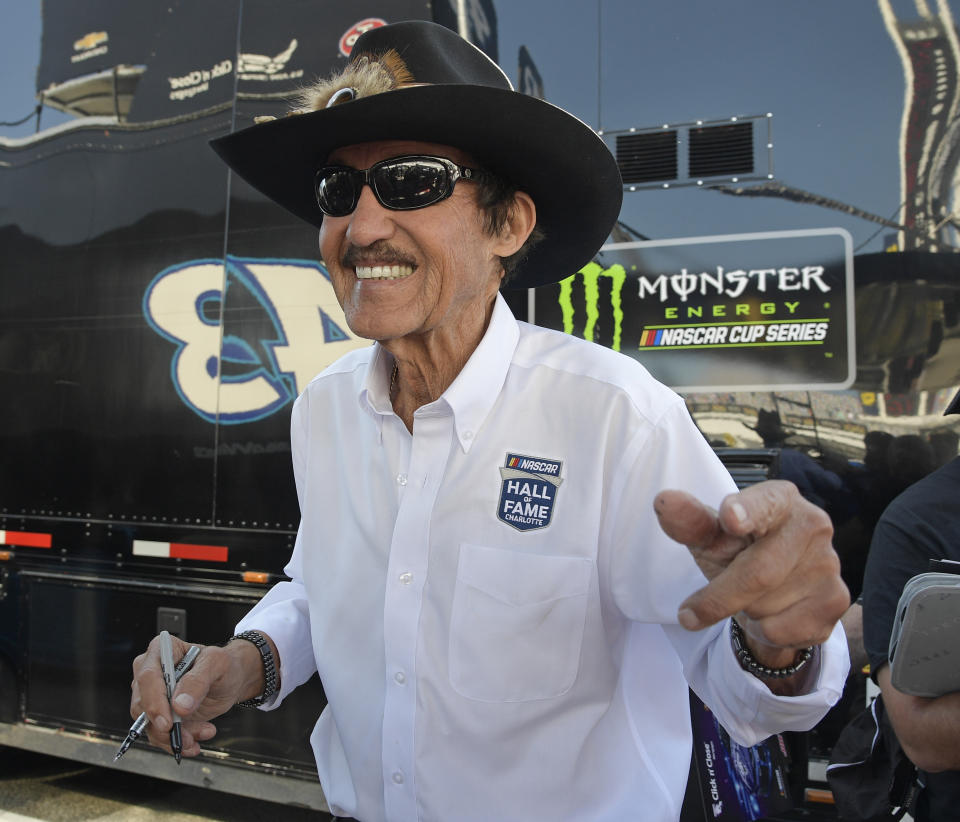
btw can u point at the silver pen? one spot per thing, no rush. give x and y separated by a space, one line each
138 727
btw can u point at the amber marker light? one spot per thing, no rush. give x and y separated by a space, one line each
820 795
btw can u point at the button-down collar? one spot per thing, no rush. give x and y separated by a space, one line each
472 394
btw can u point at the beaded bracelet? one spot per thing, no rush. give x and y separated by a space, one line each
750 663
270 678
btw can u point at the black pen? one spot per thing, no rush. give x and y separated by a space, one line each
138 727
169 679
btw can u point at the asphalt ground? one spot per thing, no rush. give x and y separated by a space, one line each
39 788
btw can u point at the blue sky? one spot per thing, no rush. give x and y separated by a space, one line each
19 52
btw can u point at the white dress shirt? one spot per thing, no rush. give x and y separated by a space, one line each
490 602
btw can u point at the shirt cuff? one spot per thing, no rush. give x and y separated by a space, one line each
763 712
278 616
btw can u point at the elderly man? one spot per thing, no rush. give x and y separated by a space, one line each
502 628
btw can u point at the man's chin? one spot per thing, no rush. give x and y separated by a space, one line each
379 331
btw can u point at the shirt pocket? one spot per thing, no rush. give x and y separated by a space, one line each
517 624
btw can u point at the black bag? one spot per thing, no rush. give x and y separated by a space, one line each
869 774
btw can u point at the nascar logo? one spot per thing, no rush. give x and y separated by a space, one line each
528 491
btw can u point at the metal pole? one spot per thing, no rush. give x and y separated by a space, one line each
116 94
600 66
463 25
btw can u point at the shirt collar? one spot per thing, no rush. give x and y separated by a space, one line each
374 396
474 391
476 388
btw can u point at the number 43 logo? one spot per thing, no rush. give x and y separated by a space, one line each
250 333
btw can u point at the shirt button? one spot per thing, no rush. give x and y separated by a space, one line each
468 435
397 778
401 479
400 677
406 578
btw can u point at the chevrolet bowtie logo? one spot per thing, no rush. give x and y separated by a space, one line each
90 41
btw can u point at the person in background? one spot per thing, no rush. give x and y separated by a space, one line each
944 445
921 524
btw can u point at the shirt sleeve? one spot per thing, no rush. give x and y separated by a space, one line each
742 703
649 575
284 614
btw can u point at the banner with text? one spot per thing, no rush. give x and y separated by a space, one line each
749 312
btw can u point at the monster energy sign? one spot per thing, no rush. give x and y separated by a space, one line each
746 312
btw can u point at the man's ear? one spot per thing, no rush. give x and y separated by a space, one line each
522 219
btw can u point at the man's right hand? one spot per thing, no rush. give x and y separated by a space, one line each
219 679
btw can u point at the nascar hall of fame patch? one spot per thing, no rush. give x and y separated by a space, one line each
528 490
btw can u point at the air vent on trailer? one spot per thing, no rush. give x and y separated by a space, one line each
736 150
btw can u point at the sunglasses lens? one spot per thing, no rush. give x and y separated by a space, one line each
338 190
407 184
400 184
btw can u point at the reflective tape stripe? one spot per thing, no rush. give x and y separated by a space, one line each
180 550
146 548
26 539
214 553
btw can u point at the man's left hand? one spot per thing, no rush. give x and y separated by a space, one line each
769 559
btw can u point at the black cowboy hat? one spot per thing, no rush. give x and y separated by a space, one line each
453 94
769 426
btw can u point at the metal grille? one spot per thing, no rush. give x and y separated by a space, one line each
749 466
721 150
647 158
701 153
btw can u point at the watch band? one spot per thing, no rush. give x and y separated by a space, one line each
750 663
271 678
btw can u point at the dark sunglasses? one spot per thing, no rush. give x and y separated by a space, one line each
400 183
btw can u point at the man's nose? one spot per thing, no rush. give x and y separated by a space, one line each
369 221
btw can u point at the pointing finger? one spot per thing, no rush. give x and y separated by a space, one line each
790 555
759 509
688 521
751 574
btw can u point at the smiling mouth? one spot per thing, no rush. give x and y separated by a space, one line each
383 272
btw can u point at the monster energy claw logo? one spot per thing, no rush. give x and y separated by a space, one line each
592 272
